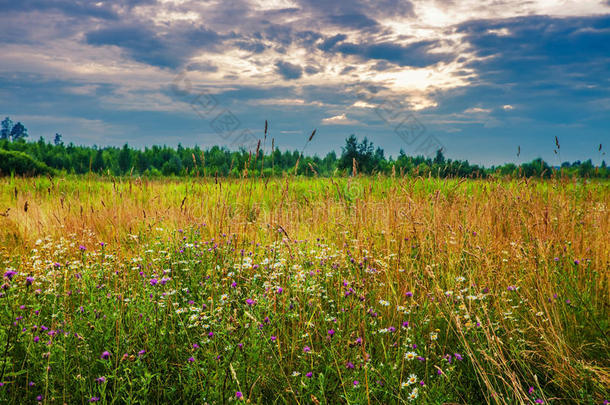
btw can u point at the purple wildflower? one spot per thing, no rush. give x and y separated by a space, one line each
105 355
10 274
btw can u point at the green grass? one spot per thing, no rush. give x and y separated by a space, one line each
202 290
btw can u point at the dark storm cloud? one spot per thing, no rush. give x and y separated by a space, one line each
142 44
288 70
328 43
417 54
145 45
74 8
360 9
542 51
355 20
252 46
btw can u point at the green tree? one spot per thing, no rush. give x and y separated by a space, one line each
7 127
125 159
19 132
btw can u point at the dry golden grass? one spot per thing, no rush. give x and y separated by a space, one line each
493 233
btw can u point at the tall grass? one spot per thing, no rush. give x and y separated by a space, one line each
503 286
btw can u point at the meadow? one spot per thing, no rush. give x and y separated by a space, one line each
359 290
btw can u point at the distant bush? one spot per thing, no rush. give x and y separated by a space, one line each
13 162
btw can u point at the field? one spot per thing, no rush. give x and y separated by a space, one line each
304 290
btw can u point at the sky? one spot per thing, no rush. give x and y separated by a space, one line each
487 81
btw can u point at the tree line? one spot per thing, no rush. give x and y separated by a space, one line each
356 157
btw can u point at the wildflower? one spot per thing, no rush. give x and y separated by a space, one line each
238 395
409 294
29 281
356 382
349 365
306 349
412 379
405 324
530 390
153 281
410 355
10 274
433 336
458 356
280 290
191 359
309 374
105 355
141 353
392 329
539 401
413 395
82 248
250 301
384 303
100 380
273 338
195 346
331 332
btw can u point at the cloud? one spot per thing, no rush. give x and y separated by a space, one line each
477 110
289 71
355 20
116 60
68 7
330 42
417 54
339 120
148 46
